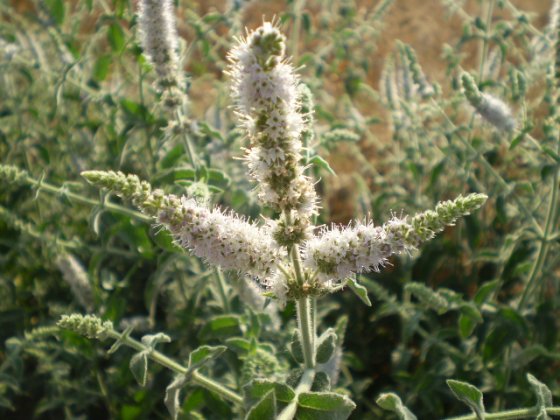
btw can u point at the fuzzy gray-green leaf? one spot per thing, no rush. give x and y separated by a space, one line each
392 402
139 367
468 394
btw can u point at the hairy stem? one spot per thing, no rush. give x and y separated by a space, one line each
545 238
305 320
521 413
221 285
165 361
182 121
307 334
43 186
298 5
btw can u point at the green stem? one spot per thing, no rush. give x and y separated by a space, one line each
306 328
545 239
165 361
221 284
313 310
43 186
305 320
521 413
181 120
304 385
298 5
296 260
484 51
146 130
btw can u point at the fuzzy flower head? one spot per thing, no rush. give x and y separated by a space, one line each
338 253
267 98
224 240
89 325
489 107
76 277
160 43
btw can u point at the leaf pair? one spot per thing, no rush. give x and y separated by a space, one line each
271 396
197 358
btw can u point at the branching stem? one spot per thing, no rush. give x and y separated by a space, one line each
43 186
304 385
165 361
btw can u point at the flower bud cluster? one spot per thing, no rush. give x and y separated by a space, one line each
489 107
265 89
339 252
160 43
10 174
224 240
88 325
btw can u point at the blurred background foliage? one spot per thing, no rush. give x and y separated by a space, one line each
479 303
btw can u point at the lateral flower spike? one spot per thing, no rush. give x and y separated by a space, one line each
265 90
222 239
363 247
89 326
490 108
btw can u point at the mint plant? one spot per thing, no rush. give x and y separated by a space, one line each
246 286
283 256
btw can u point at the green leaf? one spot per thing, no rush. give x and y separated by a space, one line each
436 172
551 153
296 349
204 354
239 345
468 394
258 388
485 291
221 327
265 409
470 316
326 345
164 239
544 397
115 36
509 326
56 10
324 406
139 367
322 163
466 325
359 290
172 394
428 297
152 340
321 383
392 402
101 68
